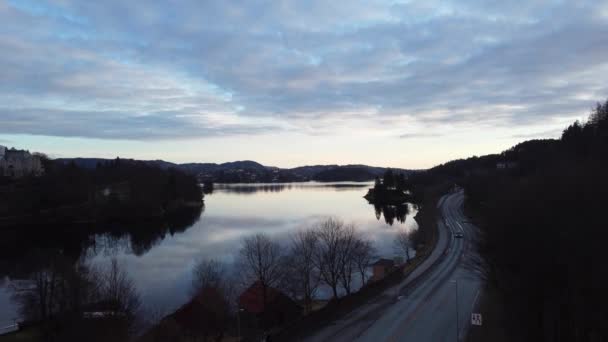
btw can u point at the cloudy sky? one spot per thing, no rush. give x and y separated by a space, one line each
390 83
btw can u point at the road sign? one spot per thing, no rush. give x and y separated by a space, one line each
476 319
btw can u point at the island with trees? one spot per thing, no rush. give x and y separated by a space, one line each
390 190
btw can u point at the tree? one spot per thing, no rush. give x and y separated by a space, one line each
211 273
304 273
261 259
327 256
60 291
389 179
377 182
119 290
400 182
346 250
335 255
362 256
403 244
207 273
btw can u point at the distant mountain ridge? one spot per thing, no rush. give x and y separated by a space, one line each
248 171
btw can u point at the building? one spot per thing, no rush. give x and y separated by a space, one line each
382 268
278 310
19 163
506 165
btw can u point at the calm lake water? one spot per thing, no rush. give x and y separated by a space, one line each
162 269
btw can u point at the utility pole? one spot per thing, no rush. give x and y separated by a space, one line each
238 324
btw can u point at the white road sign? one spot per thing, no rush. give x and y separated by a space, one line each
476 319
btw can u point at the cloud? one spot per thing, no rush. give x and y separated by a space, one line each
419 135
553 133
125 70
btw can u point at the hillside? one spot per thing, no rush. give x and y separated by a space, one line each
247 171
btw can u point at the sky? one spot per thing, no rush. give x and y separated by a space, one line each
406 84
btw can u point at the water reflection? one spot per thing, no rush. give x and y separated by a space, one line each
392 212
78 241
159 257
278 187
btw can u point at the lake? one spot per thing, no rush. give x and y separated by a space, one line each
161 265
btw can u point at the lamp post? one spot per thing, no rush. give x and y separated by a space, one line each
457 323
238 323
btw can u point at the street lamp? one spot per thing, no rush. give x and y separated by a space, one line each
238 323
455 282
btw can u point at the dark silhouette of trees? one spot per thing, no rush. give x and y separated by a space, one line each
261 259
208 273
403 244
346 252
364 252
116 189
390 190
388 179
544 238
304 276
327 256
340 252
60 295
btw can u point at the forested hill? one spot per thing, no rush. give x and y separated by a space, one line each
252 172
541 209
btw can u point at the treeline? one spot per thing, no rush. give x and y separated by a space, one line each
544 233
113 190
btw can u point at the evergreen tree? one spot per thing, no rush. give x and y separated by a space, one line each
389 179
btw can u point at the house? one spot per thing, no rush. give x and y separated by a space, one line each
19 163
207 314
381 268
506 165
120 191
278 309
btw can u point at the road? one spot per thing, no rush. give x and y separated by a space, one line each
424 307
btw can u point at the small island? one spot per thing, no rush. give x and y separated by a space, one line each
390 190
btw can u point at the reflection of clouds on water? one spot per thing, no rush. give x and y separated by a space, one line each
160 261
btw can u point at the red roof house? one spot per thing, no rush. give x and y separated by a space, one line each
277 310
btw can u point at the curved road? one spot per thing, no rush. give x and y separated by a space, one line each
423 308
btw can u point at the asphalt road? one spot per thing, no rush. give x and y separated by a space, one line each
428 311
424 307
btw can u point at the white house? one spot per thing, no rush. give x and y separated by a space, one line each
18 163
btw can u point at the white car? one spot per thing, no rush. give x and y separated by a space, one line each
458 235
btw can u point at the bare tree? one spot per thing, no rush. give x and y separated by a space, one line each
57 286
403 244
327 256
208 273
261 259
346 251
363 254
118 290
211 273
303 274
36 298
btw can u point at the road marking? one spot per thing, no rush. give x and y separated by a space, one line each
475 300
